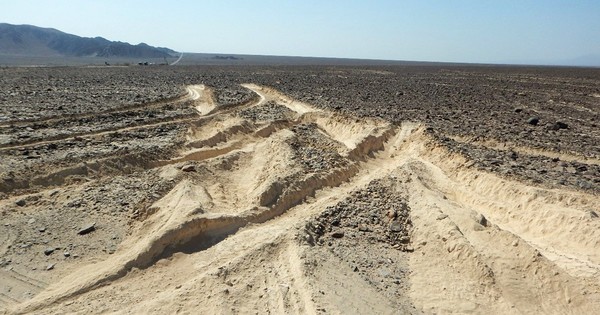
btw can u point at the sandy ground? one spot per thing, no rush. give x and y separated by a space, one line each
275 206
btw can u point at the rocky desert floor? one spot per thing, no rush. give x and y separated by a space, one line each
312 190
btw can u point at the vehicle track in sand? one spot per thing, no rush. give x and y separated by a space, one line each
192 95
121 109
505 146
231 236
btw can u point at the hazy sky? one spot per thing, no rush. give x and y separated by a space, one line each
497 31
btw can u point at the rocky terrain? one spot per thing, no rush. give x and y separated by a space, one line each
417 189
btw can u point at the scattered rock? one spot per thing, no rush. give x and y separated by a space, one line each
583 184
396 227
87 229
533 121
21 203
441 216
50 266
392 214
338 234
48 251
590 215
559 125
479 218
188 168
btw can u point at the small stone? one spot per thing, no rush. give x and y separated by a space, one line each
21 203
404 240
479 218
559 125
590 215
408 249
364 228
392 214
74 203
337 234
441 216
583 184
66 254
48 251
50 266
396 227
42 229
188 168
87 229
533 121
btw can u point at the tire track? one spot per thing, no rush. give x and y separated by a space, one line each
254 185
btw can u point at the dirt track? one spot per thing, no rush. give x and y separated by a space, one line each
273 205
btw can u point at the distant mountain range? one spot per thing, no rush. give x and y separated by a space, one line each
33 41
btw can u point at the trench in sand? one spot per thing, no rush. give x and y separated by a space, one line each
246 176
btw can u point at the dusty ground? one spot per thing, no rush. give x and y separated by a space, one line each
302 191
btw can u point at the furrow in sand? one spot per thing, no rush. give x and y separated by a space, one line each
481 243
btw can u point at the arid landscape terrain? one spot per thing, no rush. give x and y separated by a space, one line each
424 189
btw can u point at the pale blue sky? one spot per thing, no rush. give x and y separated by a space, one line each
489 31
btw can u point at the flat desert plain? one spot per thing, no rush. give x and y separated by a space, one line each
310 190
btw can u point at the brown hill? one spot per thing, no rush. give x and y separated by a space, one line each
33 41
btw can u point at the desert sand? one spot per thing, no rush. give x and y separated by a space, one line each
277 206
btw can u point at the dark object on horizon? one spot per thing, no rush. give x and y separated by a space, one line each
227 58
